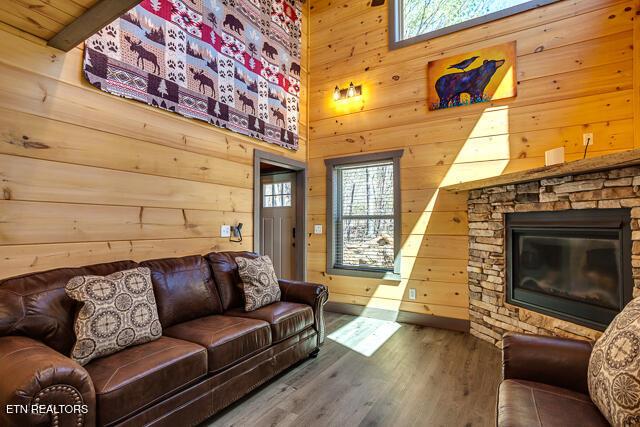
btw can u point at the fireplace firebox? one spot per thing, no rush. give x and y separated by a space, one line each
574 265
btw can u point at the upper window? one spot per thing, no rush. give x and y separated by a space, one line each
364 214
417 20
276 195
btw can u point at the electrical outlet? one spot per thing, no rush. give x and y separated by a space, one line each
317 229
412 293
587 139
225 230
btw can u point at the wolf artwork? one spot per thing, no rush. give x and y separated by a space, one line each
234 64
481 76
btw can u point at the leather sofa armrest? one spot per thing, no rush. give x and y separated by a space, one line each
35 374
560 362
311 294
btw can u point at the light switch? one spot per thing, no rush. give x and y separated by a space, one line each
317 229
225 230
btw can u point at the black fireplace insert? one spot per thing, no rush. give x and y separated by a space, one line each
574 265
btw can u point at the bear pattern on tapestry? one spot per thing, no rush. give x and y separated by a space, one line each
232 63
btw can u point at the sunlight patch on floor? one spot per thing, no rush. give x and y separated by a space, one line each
365 335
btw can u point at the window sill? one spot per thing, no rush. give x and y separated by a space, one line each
385 275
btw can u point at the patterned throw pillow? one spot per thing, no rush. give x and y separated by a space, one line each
119 311
614 368
259 282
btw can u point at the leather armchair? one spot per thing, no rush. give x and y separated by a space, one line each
545 383
35 374
311 294
560 362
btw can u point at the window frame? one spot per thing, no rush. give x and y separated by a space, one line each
396 27
331 212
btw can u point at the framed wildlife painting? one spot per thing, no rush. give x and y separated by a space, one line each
482 75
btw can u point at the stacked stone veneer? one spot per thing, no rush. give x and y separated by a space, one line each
490 315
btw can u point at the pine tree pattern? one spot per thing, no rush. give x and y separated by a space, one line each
233 64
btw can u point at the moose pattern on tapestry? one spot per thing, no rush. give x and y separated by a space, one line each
232 63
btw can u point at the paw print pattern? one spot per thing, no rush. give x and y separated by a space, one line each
110 30
175 53
97 44
112 46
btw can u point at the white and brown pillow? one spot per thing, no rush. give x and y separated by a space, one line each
119 311
614 368
259 282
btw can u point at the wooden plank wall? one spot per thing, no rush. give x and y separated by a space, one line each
575 75
88 177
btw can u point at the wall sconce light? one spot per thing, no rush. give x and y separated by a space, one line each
346 93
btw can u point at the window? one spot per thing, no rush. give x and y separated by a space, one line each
363 212
412 21
276 195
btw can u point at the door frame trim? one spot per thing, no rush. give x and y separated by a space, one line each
300 168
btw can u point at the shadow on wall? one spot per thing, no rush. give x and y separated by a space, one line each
474 142
494 121
365 335
433 212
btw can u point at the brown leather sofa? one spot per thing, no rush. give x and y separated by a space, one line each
545 383
211 352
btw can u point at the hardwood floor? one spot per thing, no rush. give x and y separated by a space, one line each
419 377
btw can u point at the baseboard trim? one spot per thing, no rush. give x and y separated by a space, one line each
401 316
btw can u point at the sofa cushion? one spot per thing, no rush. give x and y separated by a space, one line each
614 368
259 282
225 273
36 305
286 318
119 311
227 339
529 404
184 289
141 375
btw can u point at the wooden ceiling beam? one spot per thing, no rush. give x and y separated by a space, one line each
90 22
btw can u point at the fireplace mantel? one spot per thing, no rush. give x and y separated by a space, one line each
595 164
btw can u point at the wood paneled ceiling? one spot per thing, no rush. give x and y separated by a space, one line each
62 23
42 18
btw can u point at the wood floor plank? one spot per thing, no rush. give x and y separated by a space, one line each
418 376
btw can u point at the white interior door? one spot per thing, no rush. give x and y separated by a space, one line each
278 222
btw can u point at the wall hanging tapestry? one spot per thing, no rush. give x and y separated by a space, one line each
480 76
232 63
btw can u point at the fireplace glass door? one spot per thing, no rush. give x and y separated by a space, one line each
571 265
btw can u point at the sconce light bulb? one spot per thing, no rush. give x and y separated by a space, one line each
336 94
351 92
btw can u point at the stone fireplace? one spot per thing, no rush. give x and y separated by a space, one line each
553 256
